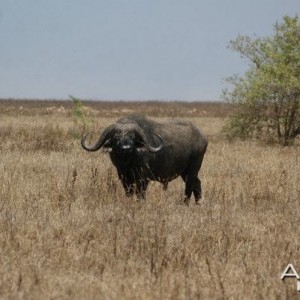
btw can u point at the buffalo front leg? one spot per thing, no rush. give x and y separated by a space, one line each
165 185
127 182
128 187
141 187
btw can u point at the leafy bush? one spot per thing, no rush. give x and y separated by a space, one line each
268 95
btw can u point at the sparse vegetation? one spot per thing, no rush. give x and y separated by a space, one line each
68 231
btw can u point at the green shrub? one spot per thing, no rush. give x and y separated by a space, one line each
268 95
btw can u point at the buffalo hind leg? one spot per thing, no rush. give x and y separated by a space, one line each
197 190
189 184
192 185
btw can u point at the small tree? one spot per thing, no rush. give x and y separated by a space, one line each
79 118
268 95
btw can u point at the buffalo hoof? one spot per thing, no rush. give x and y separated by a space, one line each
186 201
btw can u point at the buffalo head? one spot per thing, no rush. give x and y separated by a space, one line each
123 139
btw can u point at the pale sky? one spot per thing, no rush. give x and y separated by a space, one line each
127 49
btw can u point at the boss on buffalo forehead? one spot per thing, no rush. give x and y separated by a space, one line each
123 138
143 150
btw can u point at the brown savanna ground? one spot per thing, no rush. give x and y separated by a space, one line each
68 231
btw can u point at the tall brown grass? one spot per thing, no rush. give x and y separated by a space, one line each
68 231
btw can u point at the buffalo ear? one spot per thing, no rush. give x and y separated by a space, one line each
107 144
140 146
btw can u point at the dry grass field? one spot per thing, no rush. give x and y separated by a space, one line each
68 231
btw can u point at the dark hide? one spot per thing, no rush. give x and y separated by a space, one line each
175 148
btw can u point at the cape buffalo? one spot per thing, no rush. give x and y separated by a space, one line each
143 150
